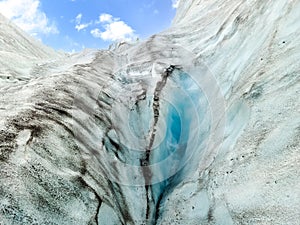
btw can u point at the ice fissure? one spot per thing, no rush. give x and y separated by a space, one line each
146 161
153 211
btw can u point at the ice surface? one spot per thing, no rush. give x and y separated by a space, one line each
196 125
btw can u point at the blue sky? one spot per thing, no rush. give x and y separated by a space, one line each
72 25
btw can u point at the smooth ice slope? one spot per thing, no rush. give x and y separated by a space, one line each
20 53
196 125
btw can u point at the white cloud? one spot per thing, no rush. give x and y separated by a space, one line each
114 29
78 18
96 33
80 26
28 16
105 18
175 3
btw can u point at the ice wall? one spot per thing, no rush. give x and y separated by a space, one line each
196 125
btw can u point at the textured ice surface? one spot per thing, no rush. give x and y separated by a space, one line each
196 125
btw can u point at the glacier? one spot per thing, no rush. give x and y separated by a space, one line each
198 124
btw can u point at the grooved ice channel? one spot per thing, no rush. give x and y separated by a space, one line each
177 153
170 125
